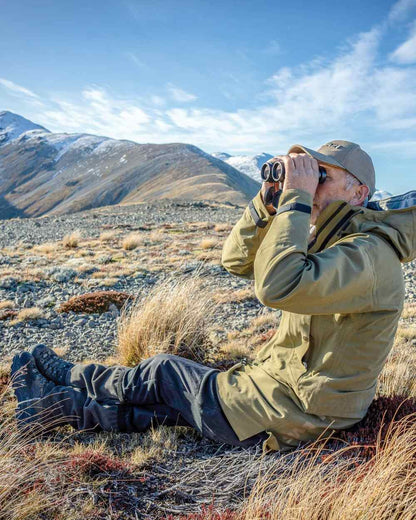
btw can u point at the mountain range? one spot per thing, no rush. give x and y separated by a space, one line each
45 173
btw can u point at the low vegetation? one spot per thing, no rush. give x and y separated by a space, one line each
132 240
172 318
72 240
166 473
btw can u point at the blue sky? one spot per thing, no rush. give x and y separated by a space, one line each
237 76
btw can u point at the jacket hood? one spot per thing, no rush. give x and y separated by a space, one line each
393 219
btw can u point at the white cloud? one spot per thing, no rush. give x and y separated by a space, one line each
17 89
401 10
406 52
180 95
351 96
157 100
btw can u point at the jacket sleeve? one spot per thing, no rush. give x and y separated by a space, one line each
339 279
241 245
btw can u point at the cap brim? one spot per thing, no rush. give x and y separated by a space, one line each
326 159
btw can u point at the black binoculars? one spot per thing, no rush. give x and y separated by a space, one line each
274 171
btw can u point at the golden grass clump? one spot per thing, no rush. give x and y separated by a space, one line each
108 282
108 236
240 295
72 240
201 226
173 318
398 376
211 255
46 248
409 311
315 485
7 304
220 228
30 313
158 236
155 444
235 349
208 243
265 322
30 471
132 240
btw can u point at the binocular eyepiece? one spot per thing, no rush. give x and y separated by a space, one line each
274 171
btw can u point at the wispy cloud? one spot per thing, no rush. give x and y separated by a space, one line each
406 52
180 95
132 56
401 10
17 89
357 95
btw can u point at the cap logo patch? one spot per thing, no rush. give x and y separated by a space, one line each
336 146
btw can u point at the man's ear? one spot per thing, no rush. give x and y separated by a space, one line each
361 193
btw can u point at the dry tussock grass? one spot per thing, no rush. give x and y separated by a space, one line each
398 376
30 313
99 274
36 274
209 256
201 226
405 334
46 248
157 236
30 472
7 304
173 318
155 445
108 282
322 486
85 267
209 243
264 322
236 349
72 240
221 228
244 344
240 295
132 241
409 311
108 236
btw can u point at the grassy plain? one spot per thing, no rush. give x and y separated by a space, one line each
173 472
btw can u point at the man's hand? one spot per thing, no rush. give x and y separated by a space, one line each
302 172
265 186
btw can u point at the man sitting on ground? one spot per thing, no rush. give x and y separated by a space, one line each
339 285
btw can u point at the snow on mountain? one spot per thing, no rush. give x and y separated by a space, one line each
13 126
248 164
380 194
221 155
44 173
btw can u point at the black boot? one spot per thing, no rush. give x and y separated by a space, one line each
42 405
51 365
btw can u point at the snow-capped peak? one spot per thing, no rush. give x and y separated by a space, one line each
13 126
381 194
248 164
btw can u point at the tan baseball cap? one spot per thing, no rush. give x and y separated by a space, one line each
346 155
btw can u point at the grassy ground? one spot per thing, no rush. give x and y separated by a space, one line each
173 473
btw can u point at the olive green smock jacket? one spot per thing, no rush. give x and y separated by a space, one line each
341 297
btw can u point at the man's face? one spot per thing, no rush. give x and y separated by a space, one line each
331 190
